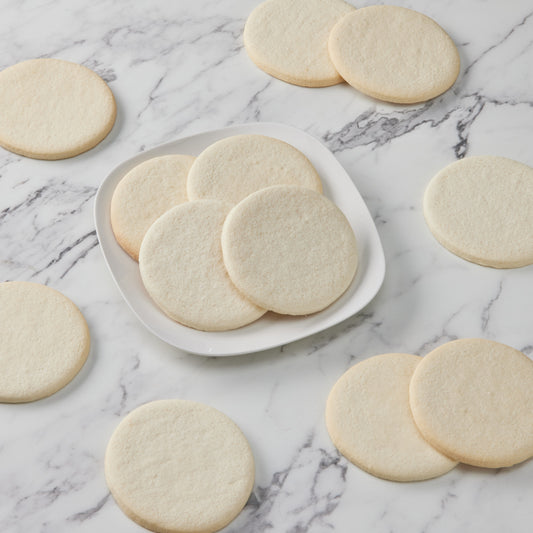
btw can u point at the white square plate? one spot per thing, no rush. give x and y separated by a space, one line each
270 330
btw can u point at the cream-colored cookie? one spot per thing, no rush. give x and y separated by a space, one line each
177 466
44 341
53 109
144 194
182 269
234 167
472 399
289 250
370 422
481 209
394 54
289 40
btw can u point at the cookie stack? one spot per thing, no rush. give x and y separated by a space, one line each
405 418
251 233
387 52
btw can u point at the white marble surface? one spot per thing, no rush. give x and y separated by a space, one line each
176 68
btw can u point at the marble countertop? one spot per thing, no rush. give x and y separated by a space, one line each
177 68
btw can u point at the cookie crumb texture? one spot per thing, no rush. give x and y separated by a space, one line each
53 109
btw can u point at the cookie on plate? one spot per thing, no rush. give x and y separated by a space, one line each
145 193
289 249
183 271
234 167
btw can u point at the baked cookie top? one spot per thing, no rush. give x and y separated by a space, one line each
145 193
178 466
234 167
289 249
289 39
481 209
472 399
182 269
44 341
53 109
370 422
394 54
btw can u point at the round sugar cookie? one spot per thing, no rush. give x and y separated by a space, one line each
289 250
53 109
177 466
481 209
394 54
289 40
234 167
472 399
182 269
144 194
44 341
369 421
